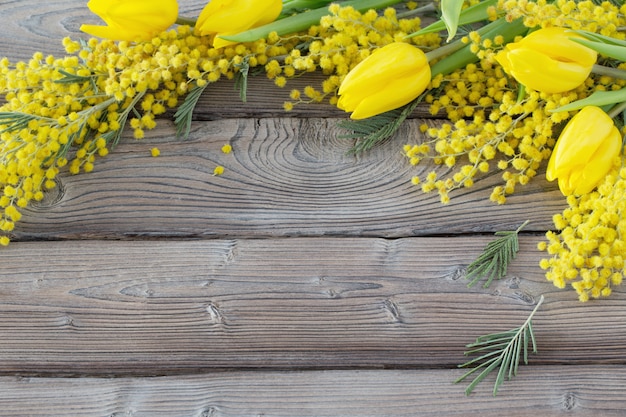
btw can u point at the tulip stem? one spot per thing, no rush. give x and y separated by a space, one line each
429 8
611 72
185 21
445 50
303 21
616 110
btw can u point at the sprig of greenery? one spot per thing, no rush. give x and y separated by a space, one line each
495 258
184 114
241 78
368 132
15 121
500 350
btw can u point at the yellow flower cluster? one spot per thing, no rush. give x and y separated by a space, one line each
492 124
343 38
490 127
495 123
589 251
600 17
65 112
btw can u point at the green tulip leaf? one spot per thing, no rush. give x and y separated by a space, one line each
472 14
303 21
600 38
598 98
608 50
291 7
450 14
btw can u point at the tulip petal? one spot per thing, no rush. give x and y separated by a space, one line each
395 60
555 42
584 152
390 77
234 16
548 60
132 20
393 95
600 163
581 137
99 7
542 73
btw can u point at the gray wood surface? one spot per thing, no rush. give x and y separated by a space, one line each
303 282
162 307
286 176
546 391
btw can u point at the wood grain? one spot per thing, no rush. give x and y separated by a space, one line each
305 281
547 391
285 177
155 308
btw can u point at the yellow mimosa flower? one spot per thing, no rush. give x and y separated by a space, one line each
548 61
132 20
390 77
229 17
585 151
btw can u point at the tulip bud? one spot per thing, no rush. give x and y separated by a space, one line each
390 77
585 151
131 20
548 61
229 17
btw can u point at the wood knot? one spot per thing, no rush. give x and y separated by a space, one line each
569 401
514 282
67 321
51 197
392 310
525 297
209 412
459 272
214 313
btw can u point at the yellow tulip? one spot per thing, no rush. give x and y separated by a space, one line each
585 151
229 17
548 61
390 77
132 20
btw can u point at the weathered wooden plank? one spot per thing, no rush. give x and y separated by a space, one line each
155 308
284 177
539 390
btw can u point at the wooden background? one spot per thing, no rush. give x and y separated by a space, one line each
302 282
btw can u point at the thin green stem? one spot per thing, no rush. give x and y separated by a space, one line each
446 49
429 8
616 110
519 229
611 72
530 317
